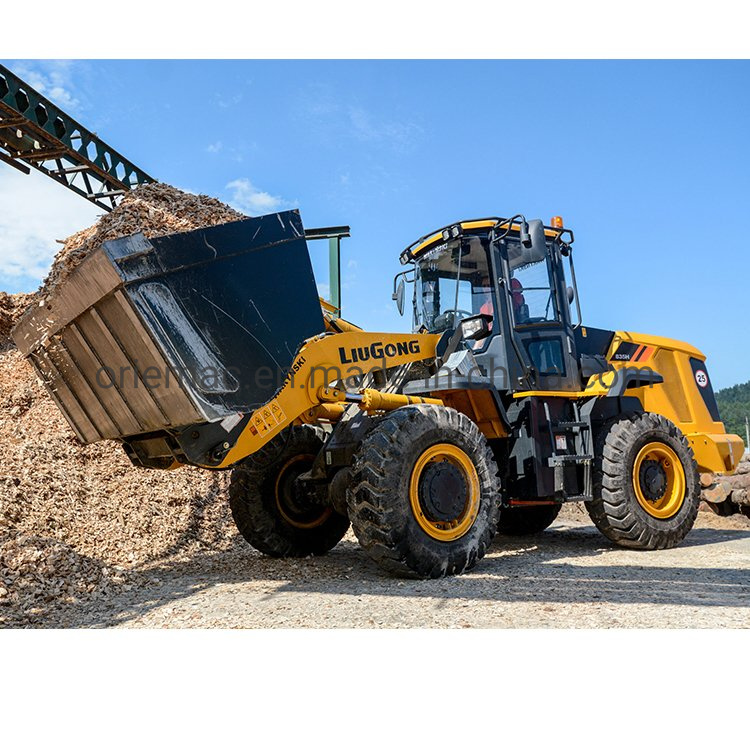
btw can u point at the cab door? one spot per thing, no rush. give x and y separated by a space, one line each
538 315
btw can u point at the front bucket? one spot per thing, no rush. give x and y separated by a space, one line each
147 335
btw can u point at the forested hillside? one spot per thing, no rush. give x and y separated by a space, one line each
734 406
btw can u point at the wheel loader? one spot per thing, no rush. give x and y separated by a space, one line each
212 348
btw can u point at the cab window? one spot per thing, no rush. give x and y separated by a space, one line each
532 294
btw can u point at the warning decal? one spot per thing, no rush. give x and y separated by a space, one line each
268 417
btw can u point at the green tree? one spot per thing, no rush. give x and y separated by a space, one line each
734 406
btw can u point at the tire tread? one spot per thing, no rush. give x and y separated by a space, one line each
614 509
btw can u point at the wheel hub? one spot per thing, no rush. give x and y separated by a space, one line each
659 480
442 491
653 480
294 506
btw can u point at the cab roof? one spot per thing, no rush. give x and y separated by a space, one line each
432 239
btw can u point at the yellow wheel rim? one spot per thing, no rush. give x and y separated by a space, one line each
300 518
450 516
659 480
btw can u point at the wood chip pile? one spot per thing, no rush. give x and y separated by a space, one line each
11 307
76 521
153 209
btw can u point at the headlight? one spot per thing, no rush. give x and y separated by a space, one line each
451 233
476 328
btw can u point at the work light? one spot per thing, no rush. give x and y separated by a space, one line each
476 327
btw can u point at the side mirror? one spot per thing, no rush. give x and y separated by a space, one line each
536 235
571 295
533 243
398 296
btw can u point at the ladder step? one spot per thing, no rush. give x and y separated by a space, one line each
568 425
578 459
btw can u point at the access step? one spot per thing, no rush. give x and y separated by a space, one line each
577 459
569 425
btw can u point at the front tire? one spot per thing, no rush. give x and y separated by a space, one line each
646 483
423 496
273 515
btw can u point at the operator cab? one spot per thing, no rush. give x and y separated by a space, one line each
505 279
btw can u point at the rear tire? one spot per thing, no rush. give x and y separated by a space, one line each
423 496
270 513
646 483
520 521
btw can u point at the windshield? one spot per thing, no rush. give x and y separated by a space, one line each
453 282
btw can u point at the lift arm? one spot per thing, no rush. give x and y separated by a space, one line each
322 361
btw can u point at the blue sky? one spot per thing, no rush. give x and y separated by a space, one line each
648 162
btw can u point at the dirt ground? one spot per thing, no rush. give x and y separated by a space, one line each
567 577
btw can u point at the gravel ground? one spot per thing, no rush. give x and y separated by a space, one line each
566 577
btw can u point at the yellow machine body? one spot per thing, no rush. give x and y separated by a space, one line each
678 398
308 395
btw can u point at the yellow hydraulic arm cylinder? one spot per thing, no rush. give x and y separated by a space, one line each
369 399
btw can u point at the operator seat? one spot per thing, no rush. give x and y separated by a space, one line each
520 308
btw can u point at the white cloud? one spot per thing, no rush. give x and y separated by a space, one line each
250 200
323 108
362 125
34 212
214 148
225 102
51 78
366 127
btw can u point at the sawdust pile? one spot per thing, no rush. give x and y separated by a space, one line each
153 209
78 521
11 307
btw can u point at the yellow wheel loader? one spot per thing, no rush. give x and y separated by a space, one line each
212 348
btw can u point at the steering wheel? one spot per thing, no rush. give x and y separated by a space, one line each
449 318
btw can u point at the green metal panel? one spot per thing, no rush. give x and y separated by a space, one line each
334 236
334 272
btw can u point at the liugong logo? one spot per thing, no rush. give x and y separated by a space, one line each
377 350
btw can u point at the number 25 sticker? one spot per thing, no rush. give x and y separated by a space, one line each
701 378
